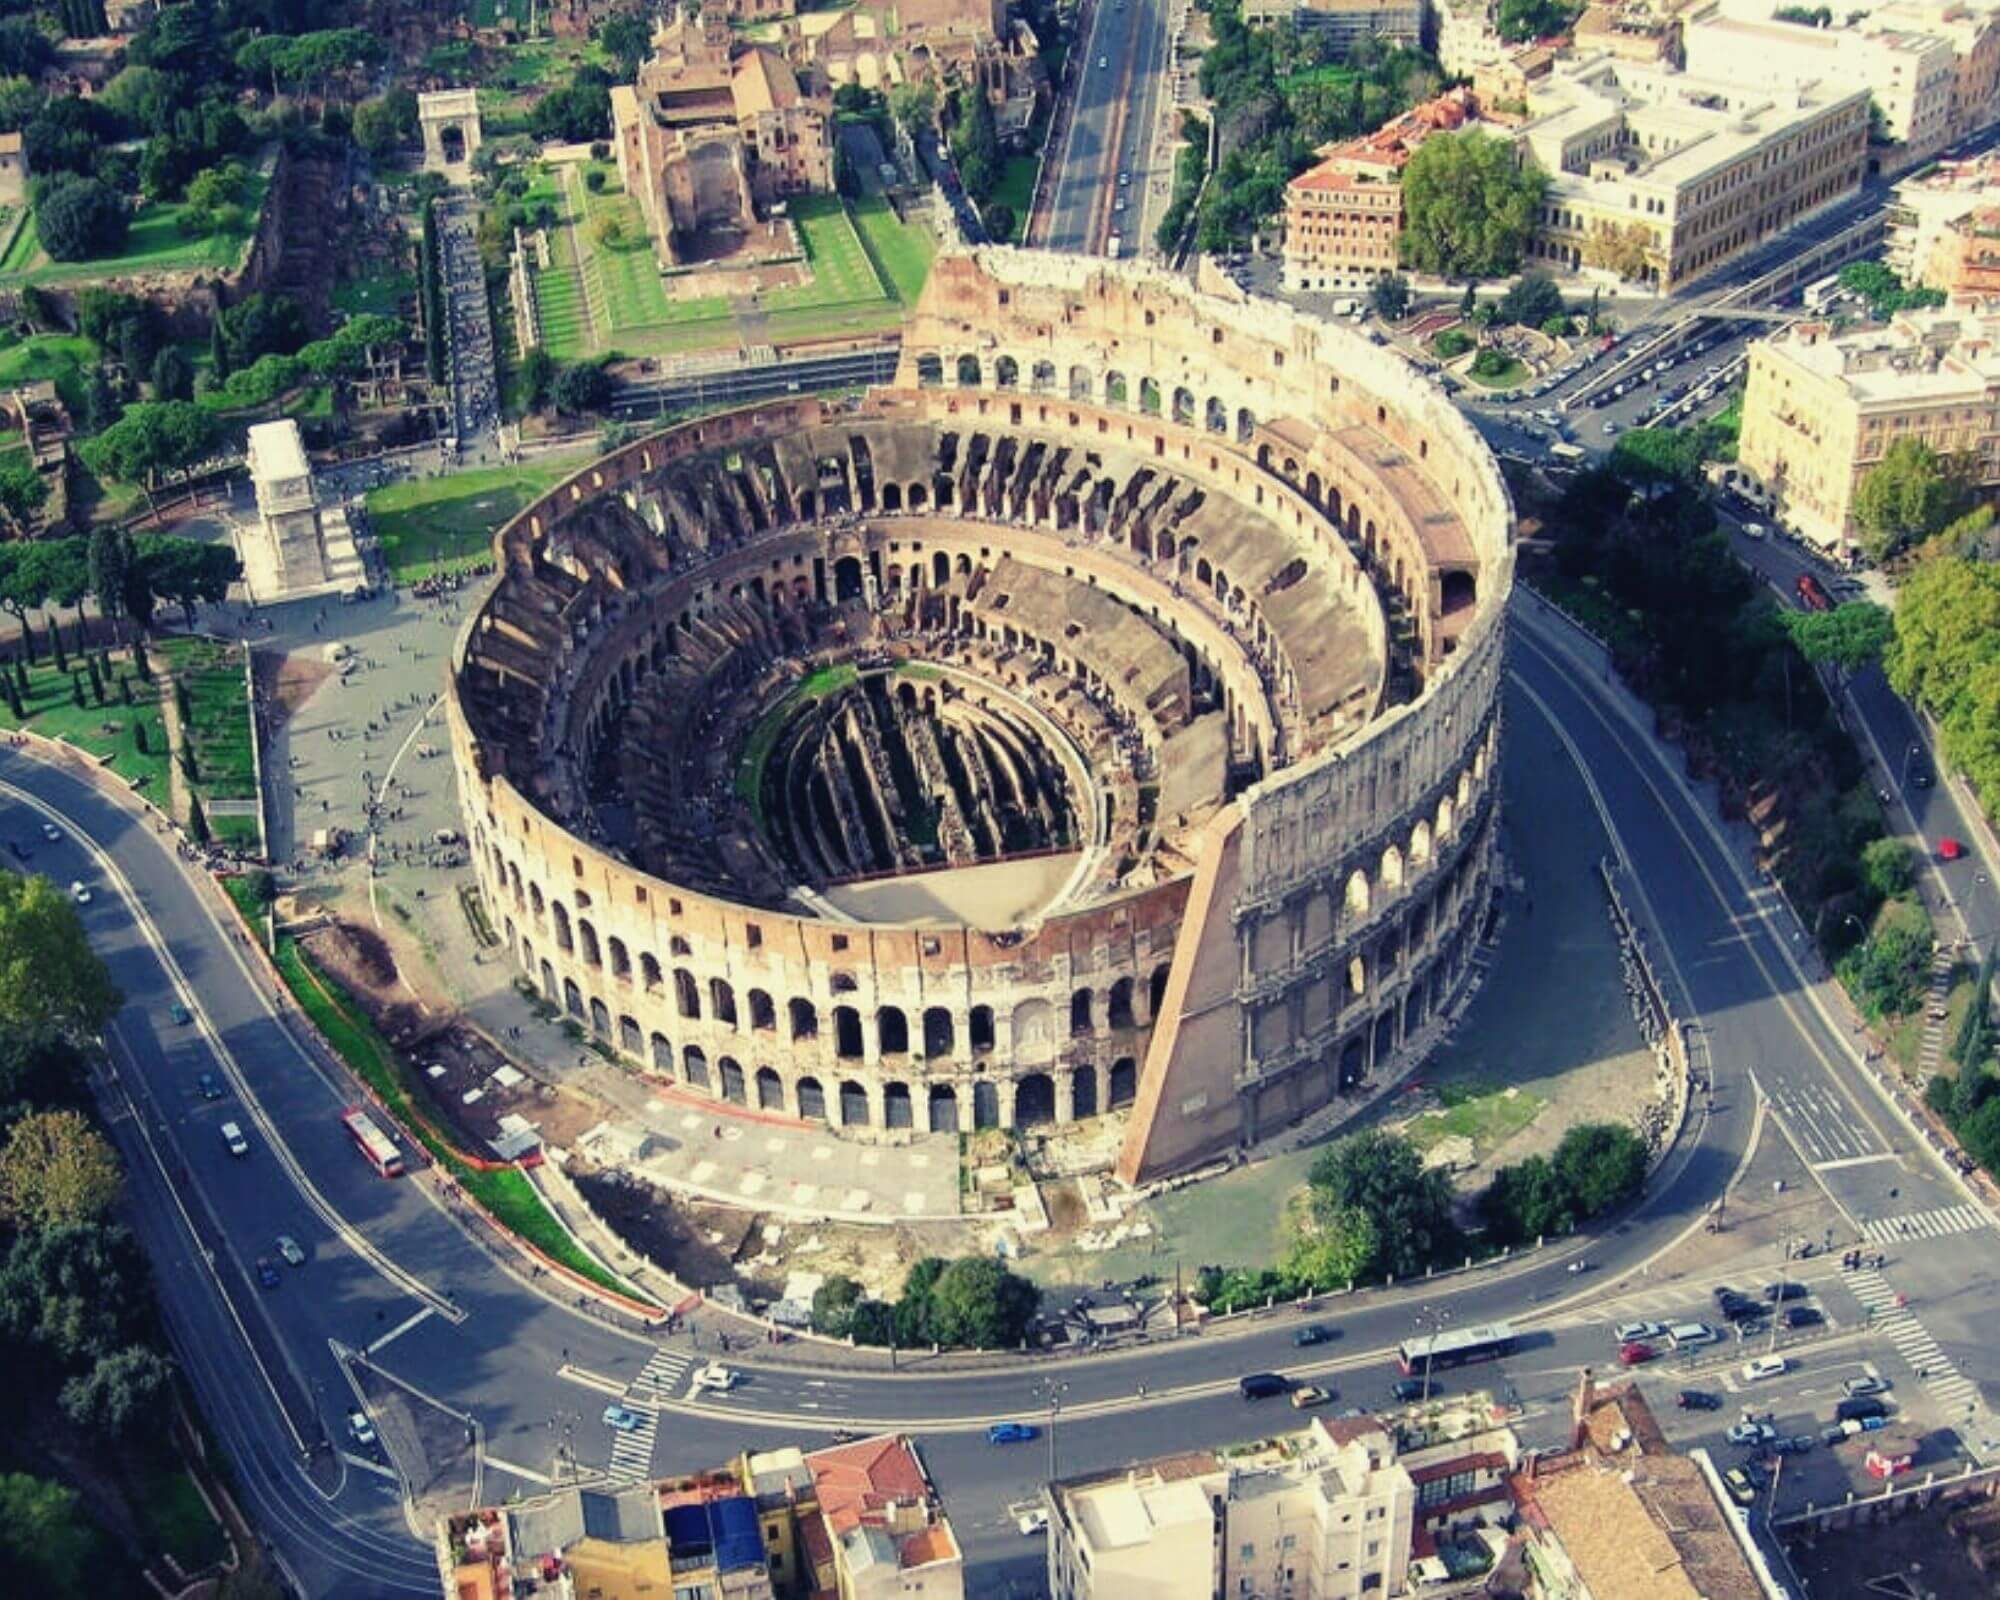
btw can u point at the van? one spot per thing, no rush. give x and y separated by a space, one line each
1692 1335
1261 1385
1856 1408
232 1138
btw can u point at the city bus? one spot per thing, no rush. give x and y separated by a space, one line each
376 1145
1455 1347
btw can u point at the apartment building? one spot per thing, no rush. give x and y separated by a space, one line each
1324 1514
861 1521
1821 407
1346 22
1663 176
1344 215
1464 37
1911 75
1972 29
1620 1514
1941 228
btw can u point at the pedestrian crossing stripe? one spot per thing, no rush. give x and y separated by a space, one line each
1937 1224
632 1452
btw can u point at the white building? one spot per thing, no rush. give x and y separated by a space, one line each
1346 22
1324 1514
296 546
1466 37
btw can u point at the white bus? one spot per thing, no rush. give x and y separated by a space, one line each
1820 292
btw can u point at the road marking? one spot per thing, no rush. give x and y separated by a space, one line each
1935 1224
367 1465
1854 1161
401 1328
527 1473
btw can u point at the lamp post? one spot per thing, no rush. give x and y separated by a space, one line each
1435 1320
1052 1392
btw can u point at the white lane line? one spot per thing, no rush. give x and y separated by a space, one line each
366 1465
1855 1161
400 1329
528 1474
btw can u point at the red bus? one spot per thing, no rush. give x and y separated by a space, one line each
1811 595
376 1145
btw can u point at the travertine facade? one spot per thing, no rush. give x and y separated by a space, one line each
1237 572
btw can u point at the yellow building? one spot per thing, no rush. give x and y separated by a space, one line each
1662 176
1821 408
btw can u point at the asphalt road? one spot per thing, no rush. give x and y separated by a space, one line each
1111 126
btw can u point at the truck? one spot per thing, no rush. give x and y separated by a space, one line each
1811 595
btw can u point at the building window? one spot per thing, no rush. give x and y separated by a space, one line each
1249 1552
840 941
753 935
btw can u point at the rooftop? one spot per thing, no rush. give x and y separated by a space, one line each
1935 352
278 450
879 1485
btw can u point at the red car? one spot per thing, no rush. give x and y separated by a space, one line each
1950 849
1635 1354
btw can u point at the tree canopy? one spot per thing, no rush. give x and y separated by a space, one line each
56 1168
978 1303
1382 1177
50 978
1849 636
1519 21
80 219
1907 496
1468 207
152 439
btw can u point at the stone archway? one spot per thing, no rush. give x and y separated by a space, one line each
450 123
1034 1100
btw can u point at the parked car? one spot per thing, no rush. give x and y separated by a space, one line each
79 892
1635 1354
1741 1486
1777 1293
1626 1332
359 1428
1036 1518
1803 1316
1751 1433
1797 1445
1859 1406
1310 1394
1857 1388
1698 1400
1262 1385
623 1418
233 1140
1692 1335
1408 1389
207 1087
1012 1433
1765 1367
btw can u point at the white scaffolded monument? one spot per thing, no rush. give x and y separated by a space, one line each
296 546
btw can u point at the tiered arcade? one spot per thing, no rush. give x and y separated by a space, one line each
1100 719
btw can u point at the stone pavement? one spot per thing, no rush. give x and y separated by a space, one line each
363 737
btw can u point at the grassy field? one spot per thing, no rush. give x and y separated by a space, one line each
1016 189
61 356
179 1521
1487 1114
105 731
382 294
902 250
155 244
506 1194
218 727
1515 371
432 525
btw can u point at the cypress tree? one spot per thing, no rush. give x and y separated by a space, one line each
141 663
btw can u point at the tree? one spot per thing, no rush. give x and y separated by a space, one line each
186 571
1599 1165
1333 1244
1527 1201
22 491
607 230
50 1545
580 387
152 438
125 1392
1519 21
627 40
55 1169
914 106
538 372
80 219
977 1302
1888 867
260 325
1653 456
24 49
999 219
1625 249
1886 972
1390 295
833 1306
386 122
1910 494
1849 636
50 978
1531 300
78 1291
1383 1177
214 196
43 1068
577 114
173 375
1468 207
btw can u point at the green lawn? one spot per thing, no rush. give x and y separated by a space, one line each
105 731
431 525
1515 371
219 726
155 244
382 294
1489 1116
62 356
178 1520
1016 189
505 1193
902 250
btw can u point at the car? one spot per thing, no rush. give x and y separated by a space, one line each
1610 428
1035 1519
1698 1400
1635 1354
1797 1445
1408 1389
1012 1433
180 1013
1742 1489
1743 1311
1765 1367
288 1247
1754 530
267 1272
207 1086
1803 1316
1124 180
1778 1293
359 1428
1722 1294
1310 1394
1835 1434
623 1418
1857 1388
1860 1406
1103 62
1692 1335
79 892
51 832
1262 1385
1750 1433
1313 1333
717 1377
233 1140
1850 1426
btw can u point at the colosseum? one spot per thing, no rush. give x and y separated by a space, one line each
1101 720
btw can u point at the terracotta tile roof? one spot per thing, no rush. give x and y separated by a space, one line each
818 1543
930 1544
1188 1464
763 82
856 1482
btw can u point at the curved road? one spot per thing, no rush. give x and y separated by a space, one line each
391 1267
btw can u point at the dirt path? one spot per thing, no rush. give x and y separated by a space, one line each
178 795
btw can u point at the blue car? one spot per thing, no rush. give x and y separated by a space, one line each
623 1418
1012 1433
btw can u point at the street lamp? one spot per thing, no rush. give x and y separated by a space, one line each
1052 1392
1436 1321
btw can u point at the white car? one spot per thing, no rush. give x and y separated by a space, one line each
1103 62
1631 1332
79 893
359 1428
1034 1521
715 1376
1754 530
51 832
1765 1367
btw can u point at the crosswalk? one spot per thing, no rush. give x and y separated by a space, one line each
1899 1325
1937 1224
632 1453
1931 1047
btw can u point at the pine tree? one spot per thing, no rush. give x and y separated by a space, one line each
197 820
181 702
218 349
